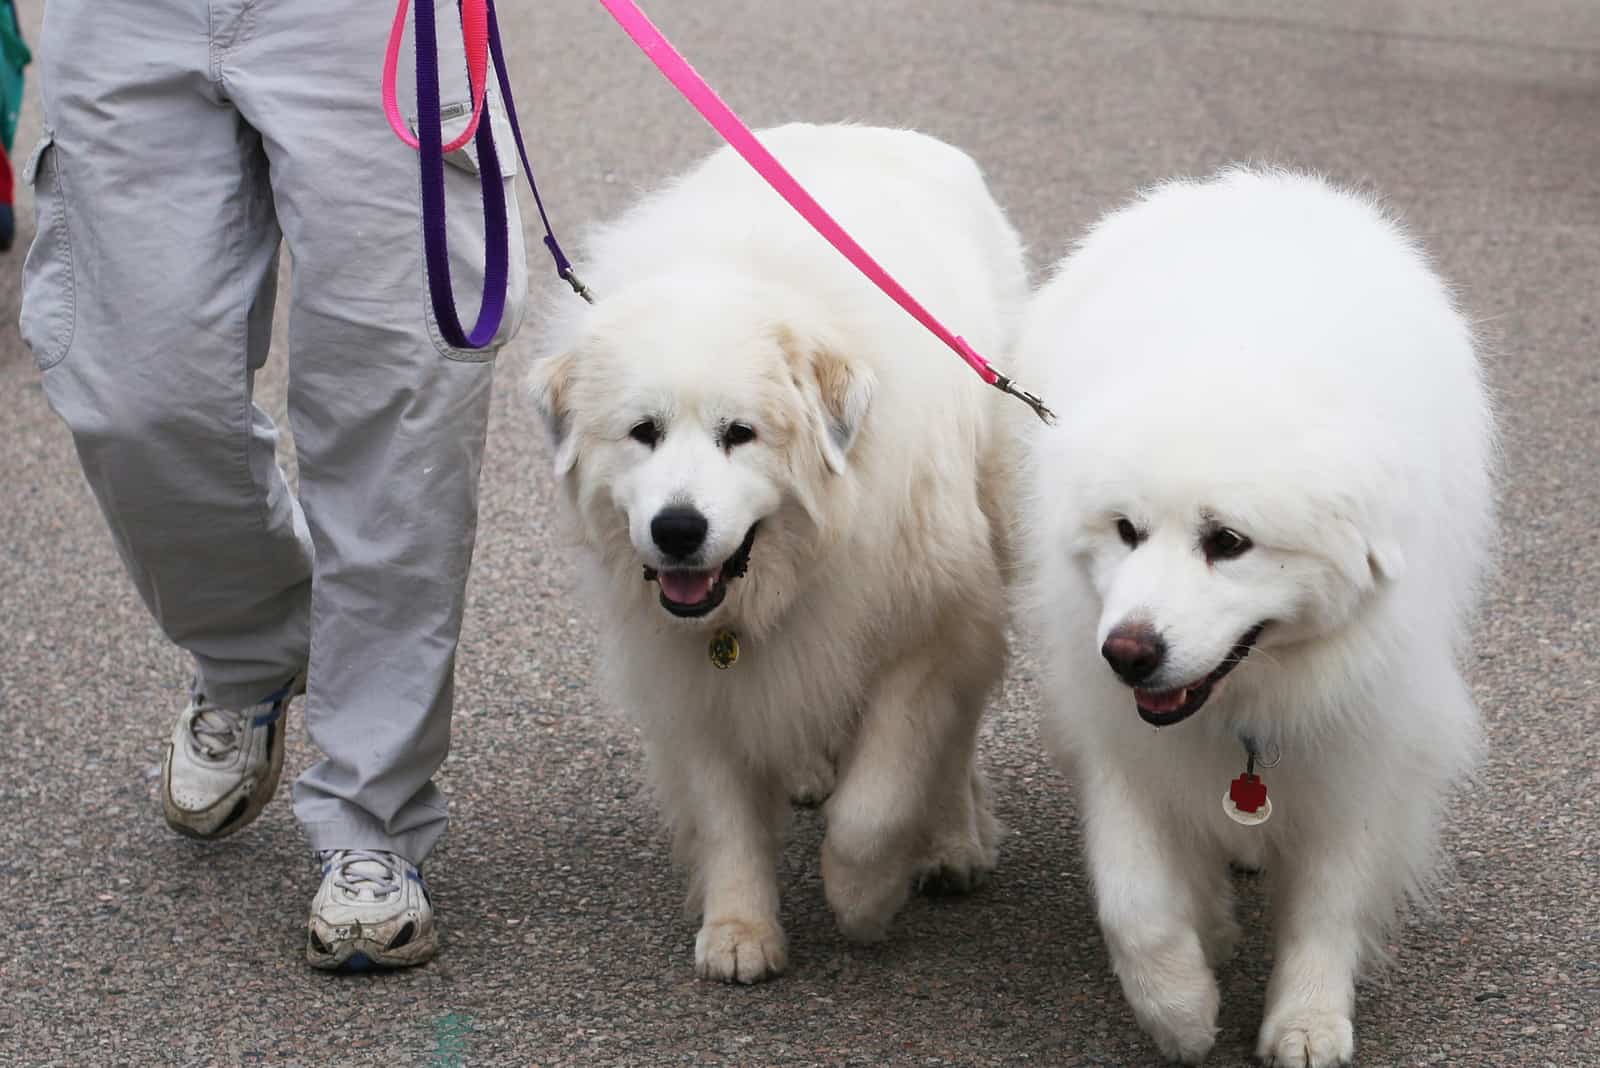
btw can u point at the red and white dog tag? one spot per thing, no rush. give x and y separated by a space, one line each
1246 801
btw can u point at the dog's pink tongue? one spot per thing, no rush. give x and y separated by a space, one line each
687 587
1170 701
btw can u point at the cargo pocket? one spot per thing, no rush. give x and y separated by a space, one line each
49 312
453 119
464 219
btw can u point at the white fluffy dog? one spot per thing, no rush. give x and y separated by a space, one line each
787 490
1273 464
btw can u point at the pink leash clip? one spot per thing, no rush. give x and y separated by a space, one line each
733 130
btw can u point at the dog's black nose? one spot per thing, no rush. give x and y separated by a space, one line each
1134 651
679 532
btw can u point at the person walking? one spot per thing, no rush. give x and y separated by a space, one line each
184 142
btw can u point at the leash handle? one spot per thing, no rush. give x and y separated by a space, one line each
481 35
435 243
475 19
722 118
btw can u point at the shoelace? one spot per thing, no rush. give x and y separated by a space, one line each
355 870
217 732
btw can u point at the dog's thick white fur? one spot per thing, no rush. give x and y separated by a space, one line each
736 369
1271 416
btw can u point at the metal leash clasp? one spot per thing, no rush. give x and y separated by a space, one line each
1032 400
564 266
577 285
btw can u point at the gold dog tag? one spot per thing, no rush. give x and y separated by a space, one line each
724 649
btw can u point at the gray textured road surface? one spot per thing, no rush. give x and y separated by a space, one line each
1480 119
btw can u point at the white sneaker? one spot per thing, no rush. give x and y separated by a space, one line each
222 765
371 910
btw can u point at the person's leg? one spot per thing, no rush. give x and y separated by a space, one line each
147 301
389 426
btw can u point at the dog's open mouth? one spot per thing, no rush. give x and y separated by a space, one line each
1166 707
689 594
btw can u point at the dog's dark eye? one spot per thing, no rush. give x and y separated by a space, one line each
645 432
1128 533
738 434
1224 544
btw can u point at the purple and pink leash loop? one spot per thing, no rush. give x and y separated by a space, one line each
481 35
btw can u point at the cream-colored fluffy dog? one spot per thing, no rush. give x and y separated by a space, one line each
1259 523
786 489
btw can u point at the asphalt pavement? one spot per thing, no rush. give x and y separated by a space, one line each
564 942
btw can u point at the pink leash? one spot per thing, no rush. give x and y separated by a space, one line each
475 35
733 130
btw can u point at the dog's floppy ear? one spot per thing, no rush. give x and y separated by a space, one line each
1367 558
846 393
839 389
550 382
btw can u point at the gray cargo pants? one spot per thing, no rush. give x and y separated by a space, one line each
183 139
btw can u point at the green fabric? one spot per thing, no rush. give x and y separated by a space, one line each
14 56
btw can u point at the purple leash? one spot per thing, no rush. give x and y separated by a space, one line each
563 265
435 240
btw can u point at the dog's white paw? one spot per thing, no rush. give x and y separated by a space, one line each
945 879
864 896
1173 995
963 854
1307 1039
958 866
812 783
1184 1025
1247 864
740 951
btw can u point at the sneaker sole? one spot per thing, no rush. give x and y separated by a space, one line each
364 956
